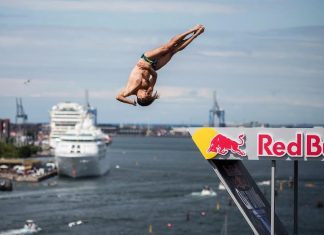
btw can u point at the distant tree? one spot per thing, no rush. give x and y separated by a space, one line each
1 148
8 150
24 151
11 151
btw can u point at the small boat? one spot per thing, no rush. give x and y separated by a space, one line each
31 227
75 223
5 185
264 183
221 186
207 191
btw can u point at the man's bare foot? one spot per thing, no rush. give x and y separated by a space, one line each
198 26
200 30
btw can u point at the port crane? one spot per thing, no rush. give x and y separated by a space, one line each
20 113
216 111
21 119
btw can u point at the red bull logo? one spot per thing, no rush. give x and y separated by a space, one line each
221 144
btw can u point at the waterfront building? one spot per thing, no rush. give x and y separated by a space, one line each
4 129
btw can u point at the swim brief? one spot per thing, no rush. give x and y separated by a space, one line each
153 63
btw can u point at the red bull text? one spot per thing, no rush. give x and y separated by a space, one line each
308 145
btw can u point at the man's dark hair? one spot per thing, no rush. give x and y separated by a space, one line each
148 100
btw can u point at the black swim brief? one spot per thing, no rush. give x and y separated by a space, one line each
153 63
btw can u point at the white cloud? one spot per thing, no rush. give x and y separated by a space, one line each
275 100
45 88
35 88
194 7
11 41
74 38
168 92
263 54
223 53
192 95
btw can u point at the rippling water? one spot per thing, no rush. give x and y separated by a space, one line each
153 186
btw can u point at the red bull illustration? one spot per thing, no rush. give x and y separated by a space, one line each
221 144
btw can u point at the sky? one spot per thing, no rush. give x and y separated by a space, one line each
265 59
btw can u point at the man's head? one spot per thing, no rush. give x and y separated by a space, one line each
145 97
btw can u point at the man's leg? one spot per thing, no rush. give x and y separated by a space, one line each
165 58
168 47
184 43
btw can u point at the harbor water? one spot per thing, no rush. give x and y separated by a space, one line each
152 189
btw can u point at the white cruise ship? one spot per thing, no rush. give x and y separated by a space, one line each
82 151
64 116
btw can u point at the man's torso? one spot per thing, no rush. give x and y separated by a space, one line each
138 77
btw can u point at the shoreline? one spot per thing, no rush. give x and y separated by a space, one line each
28 178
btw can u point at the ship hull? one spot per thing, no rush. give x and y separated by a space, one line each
82 166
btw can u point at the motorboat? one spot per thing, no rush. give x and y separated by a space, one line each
264 183
221 186
207 191
31 227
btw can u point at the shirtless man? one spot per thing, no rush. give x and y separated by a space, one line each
143 77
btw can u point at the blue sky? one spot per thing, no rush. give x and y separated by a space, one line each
265 58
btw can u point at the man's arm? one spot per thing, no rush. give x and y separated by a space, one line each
122 98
